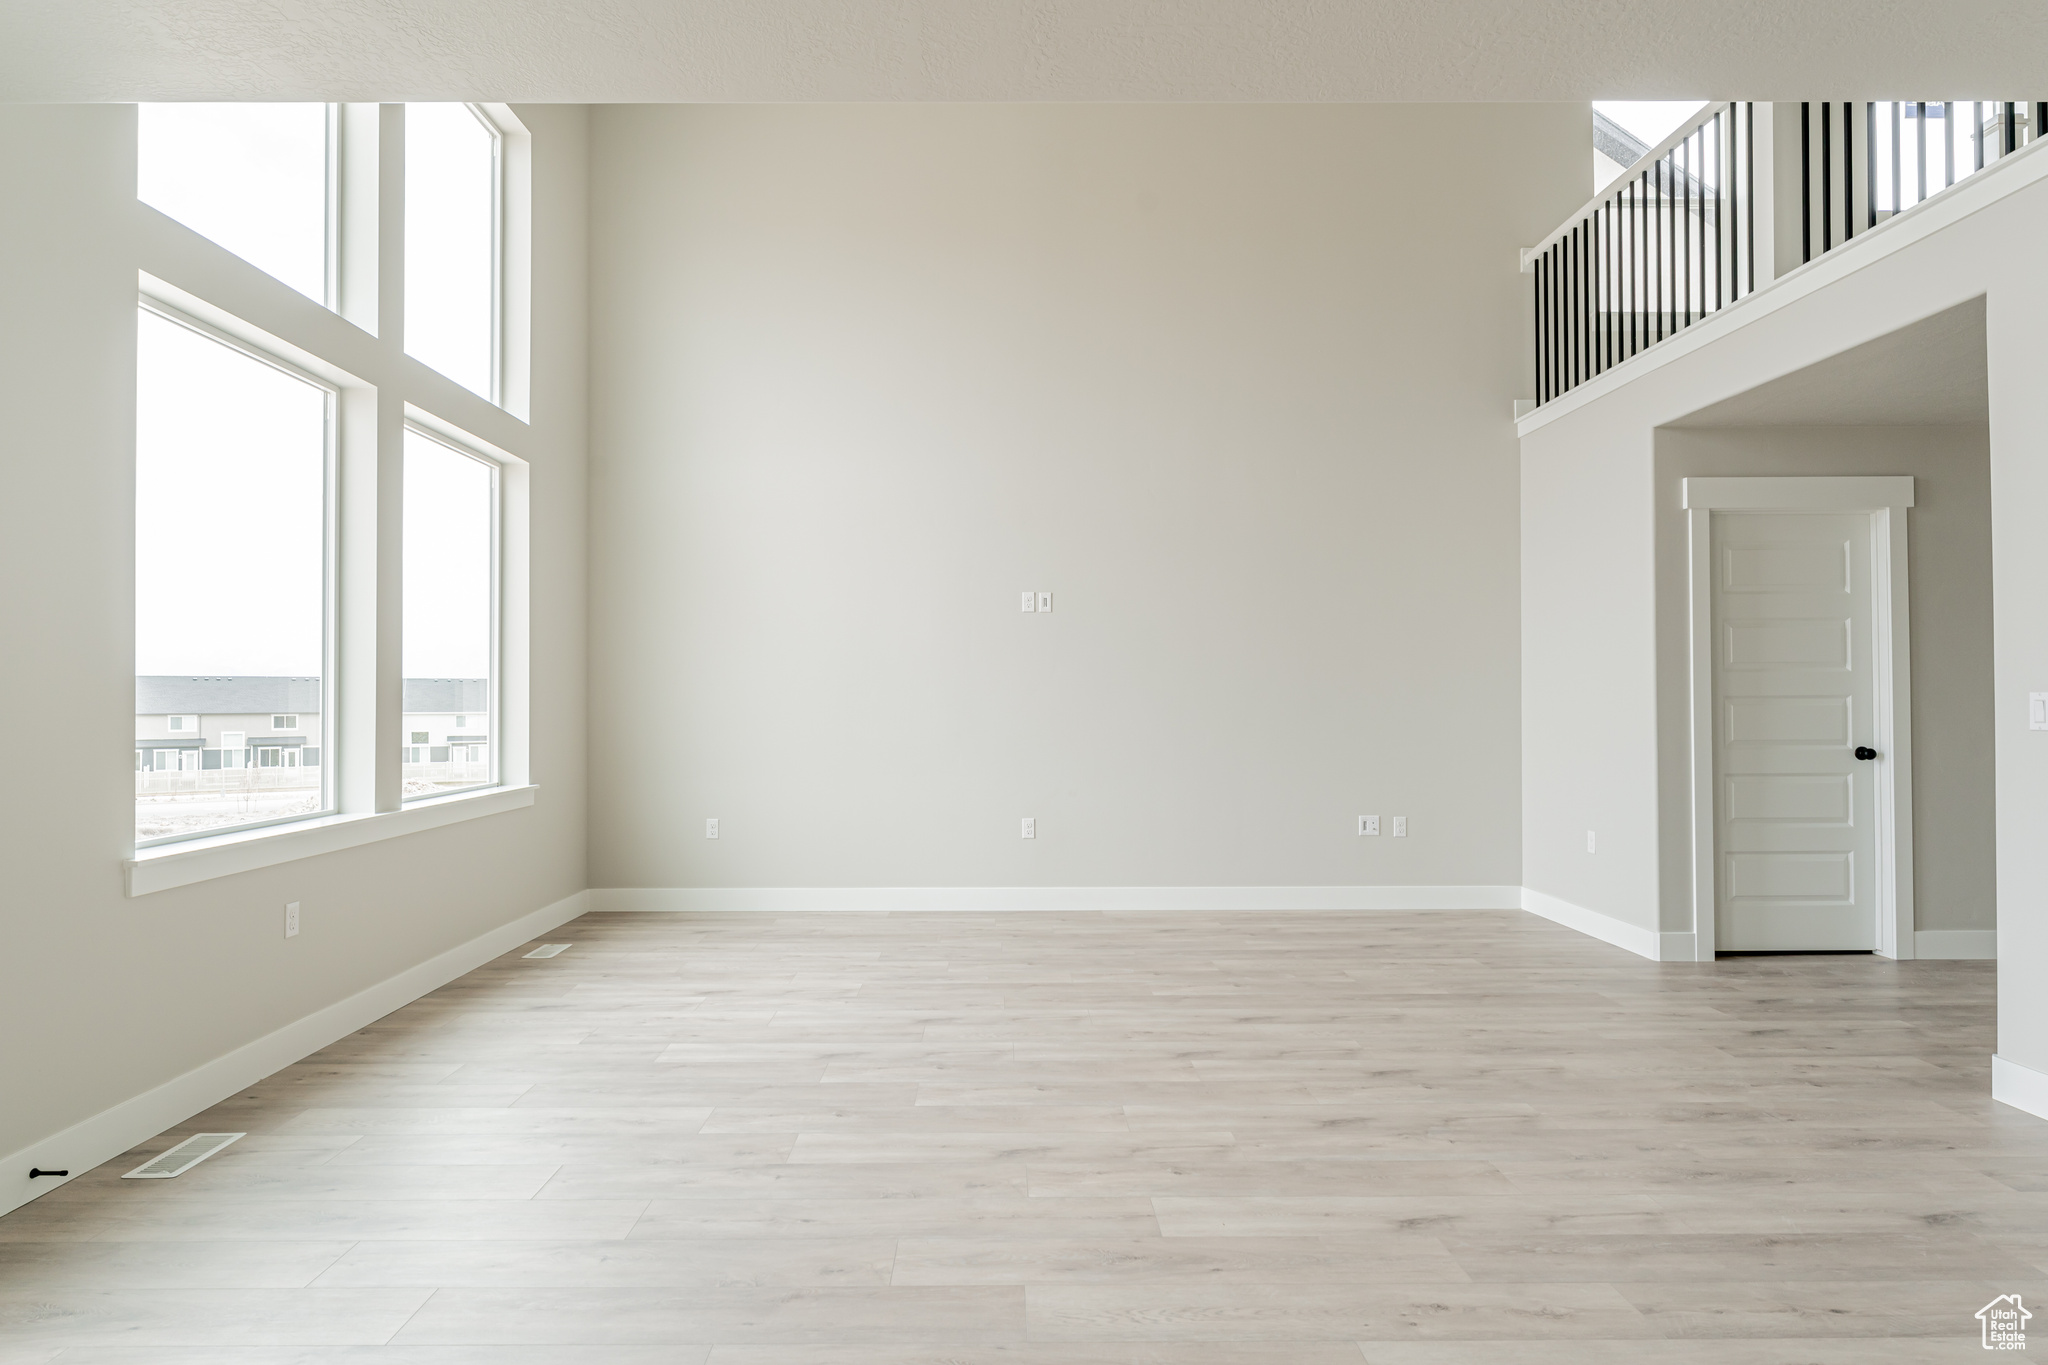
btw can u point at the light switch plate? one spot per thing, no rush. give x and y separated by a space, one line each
1045 601
2037 710
1368 824
1400 827
1589 841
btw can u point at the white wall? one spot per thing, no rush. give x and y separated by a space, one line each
101 997
1233 382
1596 750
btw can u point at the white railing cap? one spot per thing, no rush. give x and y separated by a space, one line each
1585 210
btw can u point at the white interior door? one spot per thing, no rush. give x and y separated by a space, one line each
1795 692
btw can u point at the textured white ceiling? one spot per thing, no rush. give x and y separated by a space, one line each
777 50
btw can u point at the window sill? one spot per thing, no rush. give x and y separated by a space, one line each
223 855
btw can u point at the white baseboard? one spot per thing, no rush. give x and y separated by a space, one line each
1956 944
1636 939
2022 1087
113 1131
1675 947
796 899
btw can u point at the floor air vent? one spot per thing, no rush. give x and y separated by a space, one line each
182 1157
548 950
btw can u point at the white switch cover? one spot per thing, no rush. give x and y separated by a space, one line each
1045 601
2037 710
291 919
1030 827
1030 600
1368 824
1589 841
711 829
1400 827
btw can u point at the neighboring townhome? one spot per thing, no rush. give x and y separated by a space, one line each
186 724
446 721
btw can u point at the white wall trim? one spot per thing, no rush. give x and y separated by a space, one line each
113 1131
2022 1087
1885 498
1633 937
223 855
800 899
1957 945
1800 493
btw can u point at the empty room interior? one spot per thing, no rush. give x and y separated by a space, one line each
1022 683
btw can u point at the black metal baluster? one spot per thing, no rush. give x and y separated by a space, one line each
1577 326
1749 199
1720 217
1588 339
1600 287
2012 130
1686 180
1977 130
1827 181
1628 268
1557 377
1848 172
1564 314
1658 199
1870 160
1805 183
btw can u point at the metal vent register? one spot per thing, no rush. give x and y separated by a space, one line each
182 1157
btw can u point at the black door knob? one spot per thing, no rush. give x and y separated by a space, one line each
1865 752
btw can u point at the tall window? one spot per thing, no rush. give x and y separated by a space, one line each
451 243
450 611
233 454
253 177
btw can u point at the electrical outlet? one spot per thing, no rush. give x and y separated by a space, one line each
1030 827
1589 841
711 829
1045 601
1368 824
1030 600
291 919
1400 827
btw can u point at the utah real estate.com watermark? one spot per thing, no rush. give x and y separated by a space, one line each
2005 1323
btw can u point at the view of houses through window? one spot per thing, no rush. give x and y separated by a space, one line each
209 746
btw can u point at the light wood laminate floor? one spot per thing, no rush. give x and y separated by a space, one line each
1438 1138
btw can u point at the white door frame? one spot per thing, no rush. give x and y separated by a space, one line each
1886 500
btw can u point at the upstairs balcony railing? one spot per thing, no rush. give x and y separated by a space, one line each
1739 195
